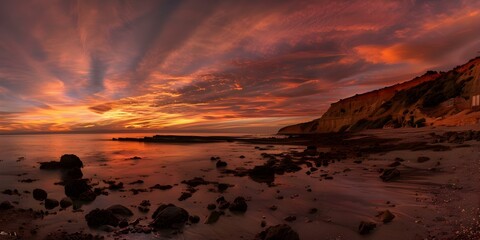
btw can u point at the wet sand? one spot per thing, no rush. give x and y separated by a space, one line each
322 194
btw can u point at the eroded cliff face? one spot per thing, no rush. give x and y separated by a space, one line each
431 99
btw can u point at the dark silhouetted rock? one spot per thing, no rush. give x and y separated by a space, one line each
65 202
194 182
70 161
366 227
194 219
211 206
213 217
120 210
5 205
290 218
79 189
99 217
278 232
184 196
170 216
52 165
239 205
262 174
72 173
390 174
161 187
222 187
220 164
222 203
51 203
39 194
386 216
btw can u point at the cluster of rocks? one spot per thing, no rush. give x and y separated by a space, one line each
456 137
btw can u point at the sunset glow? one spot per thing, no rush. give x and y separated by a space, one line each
213 65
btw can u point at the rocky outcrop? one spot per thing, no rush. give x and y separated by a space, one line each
435 98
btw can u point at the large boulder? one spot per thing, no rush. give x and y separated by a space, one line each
39 194
262 174
169 216
239 205
120 210
51 203
278 232
100 217
79 189
70 161
390 174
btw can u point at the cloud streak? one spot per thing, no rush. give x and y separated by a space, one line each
211 65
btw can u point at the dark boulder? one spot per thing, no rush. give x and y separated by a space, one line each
386 216
390 174
50 165
169 216
196 181
213 217
194 219
120 210
79 189
262 174
39 194
65 202
68 161
366 227
5 205
220 164
278 232
51 203
71 174
239 205
100 217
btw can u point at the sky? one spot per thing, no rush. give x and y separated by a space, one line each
213 66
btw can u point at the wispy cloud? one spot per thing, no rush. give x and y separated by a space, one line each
200 65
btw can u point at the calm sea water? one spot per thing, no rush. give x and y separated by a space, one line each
342 203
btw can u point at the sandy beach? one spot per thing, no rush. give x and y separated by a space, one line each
321 192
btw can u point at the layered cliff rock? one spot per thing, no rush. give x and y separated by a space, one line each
445 98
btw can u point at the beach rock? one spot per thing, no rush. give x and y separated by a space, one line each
68 161
170 216
222 203
196 181
136 182
278 232
366 227
161 187
120 210
385 216
213 217
221 164
99 217
73 173
311 150
262 174
222 187
5 205
194 219
65 202
39 194
290 218
52 165
51 203
423 159
79 189
239 205
390 174
184 196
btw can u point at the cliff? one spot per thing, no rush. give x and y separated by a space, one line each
445 98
